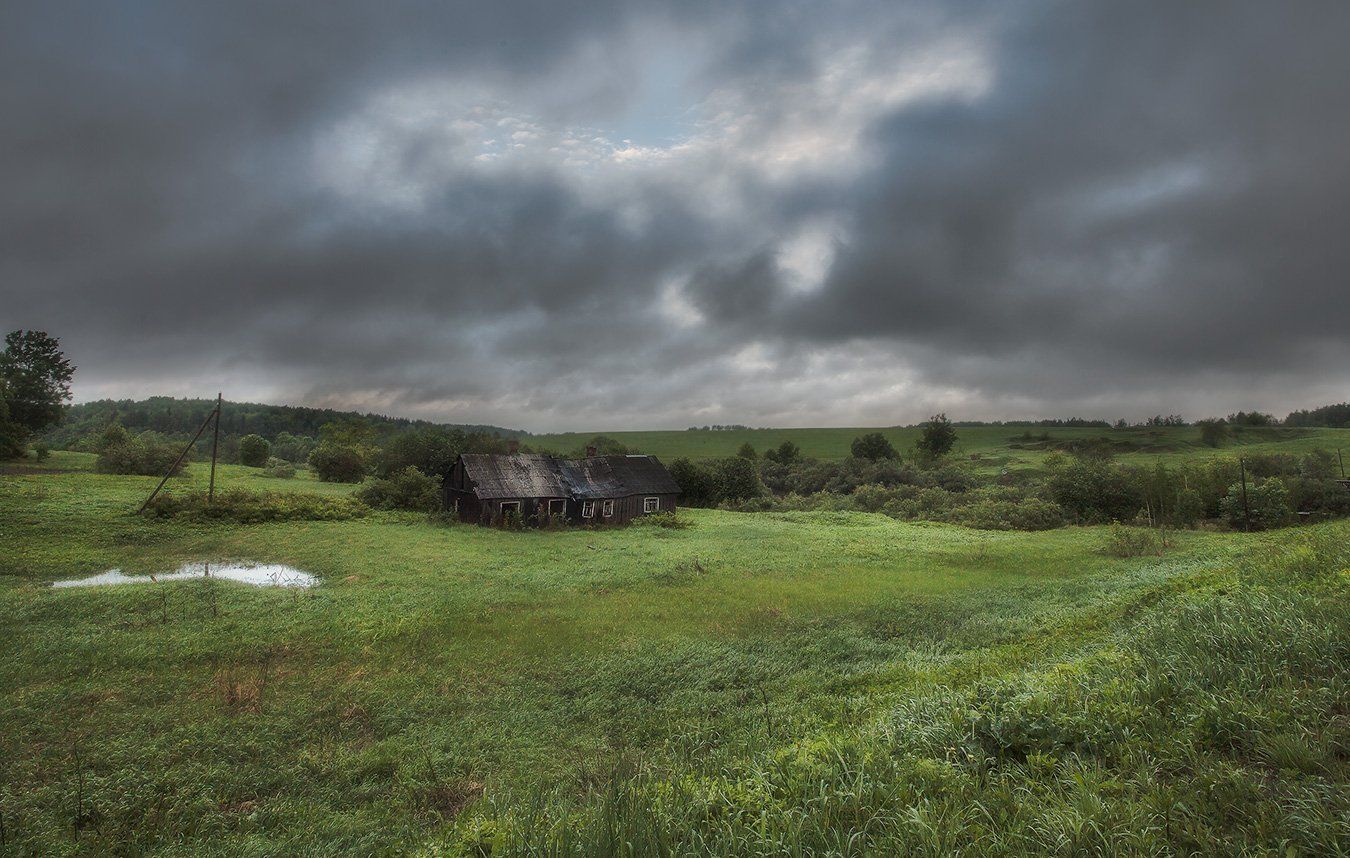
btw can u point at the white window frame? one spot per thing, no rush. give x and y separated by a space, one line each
562 506
588 509
505 504
607 509
651 505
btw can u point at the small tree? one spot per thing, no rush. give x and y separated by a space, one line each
1267 499
786 453
1212 432
338 463
937 438
747 451
873 446
253 451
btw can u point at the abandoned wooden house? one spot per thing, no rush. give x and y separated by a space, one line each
489 489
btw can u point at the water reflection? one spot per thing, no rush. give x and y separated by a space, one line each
259 575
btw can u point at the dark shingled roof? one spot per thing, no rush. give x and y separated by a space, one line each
520 476
540 476
643 475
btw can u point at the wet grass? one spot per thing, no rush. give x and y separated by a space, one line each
767 682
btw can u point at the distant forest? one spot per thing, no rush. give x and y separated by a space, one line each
180 418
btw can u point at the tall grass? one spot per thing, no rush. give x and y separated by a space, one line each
1214 722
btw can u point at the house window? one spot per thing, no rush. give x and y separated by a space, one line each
557 506
588 509
607 508
651 504
510 508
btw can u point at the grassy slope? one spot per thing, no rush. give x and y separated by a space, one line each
435 659
988 441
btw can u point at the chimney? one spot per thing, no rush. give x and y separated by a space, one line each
513 446
590 451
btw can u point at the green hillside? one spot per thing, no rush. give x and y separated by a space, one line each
999 446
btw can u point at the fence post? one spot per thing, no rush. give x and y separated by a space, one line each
1246 510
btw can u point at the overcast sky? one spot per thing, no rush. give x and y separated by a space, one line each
639 215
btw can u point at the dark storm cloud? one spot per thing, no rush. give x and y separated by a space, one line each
1148 189
875 210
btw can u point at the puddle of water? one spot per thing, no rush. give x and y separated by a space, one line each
261 575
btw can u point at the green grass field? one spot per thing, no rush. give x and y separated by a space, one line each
755 683
998 446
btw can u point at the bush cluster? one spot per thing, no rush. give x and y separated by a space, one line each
987 508
279 468
246 507
1085 488
338 463
147 454
408 489
715 481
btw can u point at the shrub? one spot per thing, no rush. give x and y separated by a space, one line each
148 454
1212 432
1091 490
873 445
279 468
1267 500
335 462
1125 541
41 451
747 451
254 451
246 507
668 520
1026 514
406 489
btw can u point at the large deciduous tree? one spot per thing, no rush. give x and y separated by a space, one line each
34 386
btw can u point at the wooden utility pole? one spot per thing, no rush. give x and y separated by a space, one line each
1246 510
214 415
1341 461
215 443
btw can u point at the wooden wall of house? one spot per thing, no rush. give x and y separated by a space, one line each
488 512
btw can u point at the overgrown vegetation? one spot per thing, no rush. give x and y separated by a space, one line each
1087 487
242 506
408 489
148 454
